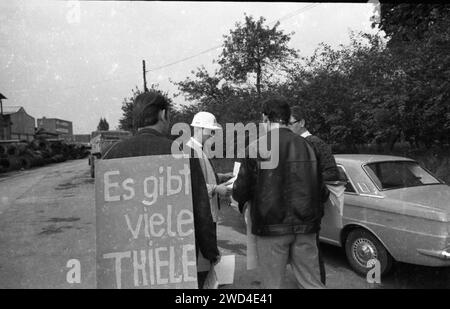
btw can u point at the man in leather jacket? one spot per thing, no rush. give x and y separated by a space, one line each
151 118
286 201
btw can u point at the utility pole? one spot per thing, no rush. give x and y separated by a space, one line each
3 125
1 103
144 72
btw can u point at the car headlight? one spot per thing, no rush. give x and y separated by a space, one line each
446 253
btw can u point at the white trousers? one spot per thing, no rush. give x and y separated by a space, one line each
299 250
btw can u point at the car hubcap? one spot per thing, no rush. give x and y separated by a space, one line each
364 250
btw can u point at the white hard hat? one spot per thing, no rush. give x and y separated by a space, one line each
205 120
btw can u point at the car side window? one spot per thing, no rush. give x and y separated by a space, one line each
343 176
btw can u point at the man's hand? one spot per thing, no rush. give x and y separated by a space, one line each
223 190
217 261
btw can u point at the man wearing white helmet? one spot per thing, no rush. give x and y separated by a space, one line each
205 125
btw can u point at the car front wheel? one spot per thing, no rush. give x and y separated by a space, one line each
361 246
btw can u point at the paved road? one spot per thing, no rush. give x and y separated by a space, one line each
47 218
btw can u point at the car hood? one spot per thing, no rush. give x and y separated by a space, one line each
435 197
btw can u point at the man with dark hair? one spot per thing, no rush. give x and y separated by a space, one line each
276 110
151 118
326 160
327 163
286 200
146 110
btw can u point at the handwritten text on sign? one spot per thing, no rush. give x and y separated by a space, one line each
145 224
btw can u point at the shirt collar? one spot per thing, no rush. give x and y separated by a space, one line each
150 131
194 143
305 134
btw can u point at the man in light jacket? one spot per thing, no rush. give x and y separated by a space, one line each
205 125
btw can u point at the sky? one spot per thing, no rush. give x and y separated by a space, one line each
77 61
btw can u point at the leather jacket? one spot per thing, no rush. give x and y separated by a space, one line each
327 163
286 199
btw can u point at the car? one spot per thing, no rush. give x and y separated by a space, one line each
393 210
101 142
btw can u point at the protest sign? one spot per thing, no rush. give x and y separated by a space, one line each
230 183
145 223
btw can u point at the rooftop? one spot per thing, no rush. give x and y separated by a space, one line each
59 119
7 110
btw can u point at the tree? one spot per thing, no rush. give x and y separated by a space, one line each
103 125
203 86
207 92
410 21
253 47
371 91
419 39
347 92
126 122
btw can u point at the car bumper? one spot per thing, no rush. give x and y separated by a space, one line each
440 254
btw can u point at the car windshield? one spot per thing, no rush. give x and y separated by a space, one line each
399 174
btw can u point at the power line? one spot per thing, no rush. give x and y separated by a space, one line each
290 15
184 59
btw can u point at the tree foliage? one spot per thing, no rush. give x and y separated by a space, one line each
373 90
410 21
253 47
368 92
420 45
207 92
126 122
103 125
228 93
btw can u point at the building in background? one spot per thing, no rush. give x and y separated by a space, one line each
17 124
5 121
5 127
61 127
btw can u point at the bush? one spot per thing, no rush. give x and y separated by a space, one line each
4 164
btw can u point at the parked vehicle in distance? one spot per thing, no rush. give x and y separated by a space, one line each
101 142
394 210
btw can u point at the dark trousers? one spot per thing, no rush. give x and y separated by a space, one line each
201 276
